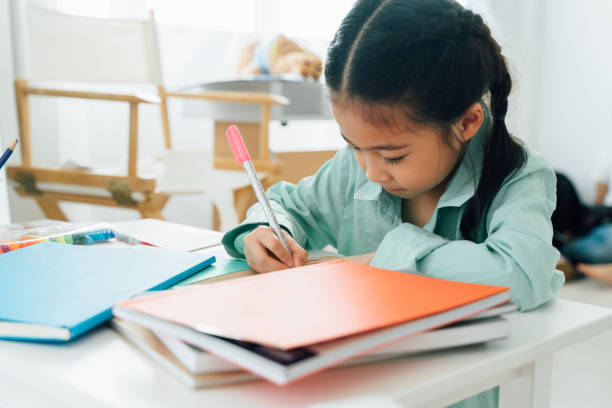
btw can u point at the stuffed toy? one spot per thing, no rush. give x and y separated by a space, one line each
279 55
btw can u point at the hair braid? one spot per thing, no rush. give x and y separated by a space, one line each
501 151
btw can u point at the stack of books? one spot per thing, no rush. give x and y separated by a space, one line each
289 324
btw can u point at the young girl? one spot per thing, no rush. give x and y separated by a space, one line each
430 182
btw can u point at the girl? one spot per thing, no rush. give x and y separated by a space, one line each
430 182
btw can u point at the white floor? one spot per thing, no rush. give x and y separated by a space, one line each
582 374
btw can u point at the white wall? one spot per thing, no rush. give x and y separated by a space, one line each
575 107
516 26
560 104
8 125
560 54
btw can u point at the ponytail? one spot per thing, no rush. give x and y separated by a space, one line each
502 154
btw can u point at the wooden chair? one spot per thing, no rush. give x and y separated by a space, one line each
50 47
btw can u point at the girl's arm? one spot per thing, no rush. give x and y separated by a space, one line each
516 253
310 211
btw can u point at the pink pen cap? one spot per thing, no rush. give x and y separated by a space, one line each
236 143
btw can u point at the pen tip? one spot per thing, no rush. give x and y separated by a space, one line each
14 144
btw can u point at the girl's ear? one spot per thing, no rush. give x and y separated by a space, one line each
471 121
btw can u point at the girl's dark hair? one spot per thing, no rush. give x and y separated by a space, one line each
435 59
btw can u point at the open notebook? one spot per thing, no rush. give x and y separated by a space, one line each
175 236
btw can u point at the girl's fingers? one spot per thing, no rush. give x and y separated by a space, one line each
259 259
299 254
265 252
275 246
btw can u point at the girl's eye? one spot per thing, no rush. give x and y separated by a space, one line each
394 160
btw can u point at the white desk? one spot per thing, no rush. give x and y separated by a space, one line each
101 369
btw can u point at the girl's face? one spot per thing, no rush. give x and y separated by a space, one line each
409 163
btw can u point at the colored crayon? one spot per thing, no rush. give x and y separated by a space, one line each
78 238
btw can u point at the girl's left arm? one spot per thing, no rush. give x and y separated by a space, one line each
516 253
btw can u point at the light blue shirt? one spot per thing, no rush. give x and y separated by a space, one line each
340 206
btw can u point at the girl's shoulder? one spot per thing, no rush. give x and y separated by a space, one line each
345 160
535 160
534 184
535 166
354 180
341 173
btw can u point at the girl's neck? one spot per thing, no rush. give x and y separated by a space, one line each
418 210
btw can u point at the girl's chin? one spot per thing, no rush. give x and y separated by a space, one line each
399 192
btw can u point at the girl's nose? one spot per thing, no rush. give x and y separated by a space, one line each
376 172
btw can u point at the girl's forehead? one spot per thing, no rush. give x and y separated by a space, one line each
393 119
378 141
386 126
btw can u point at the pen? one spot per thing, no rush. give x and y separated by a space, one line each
7 153
242 156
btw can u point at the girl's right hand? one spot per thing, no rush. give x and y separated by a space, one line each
264 252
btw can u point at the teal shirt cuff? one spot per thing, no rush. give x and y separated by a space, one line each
256 215
233 239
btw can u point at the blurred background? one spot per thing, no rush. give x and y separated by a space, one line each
558 52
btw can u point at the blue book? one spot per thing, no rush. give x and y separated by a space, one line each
56 292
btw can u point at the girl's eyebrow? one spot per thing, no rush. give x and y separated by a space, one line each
380 147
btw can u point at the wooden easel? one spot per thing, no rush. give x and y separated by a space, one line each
123 189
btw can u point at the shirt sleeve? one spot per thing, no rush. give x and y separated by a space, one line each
517 252
310 211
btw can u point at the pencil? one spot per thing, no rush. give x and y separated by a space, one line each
7 153
242 156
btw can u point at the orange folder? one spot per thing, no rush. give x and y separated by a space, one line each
311 304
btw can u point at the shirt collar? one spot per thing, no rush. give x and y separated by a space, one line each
462 186
368 191
389 205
